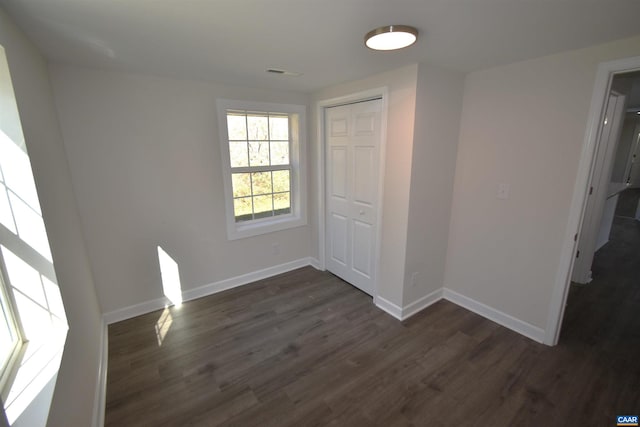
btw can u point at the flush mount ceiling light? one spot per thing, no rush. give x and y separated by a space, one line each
391 37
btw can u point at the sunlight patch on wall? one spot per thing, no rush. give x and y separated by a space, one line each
38 366
170 277
172 289
19 205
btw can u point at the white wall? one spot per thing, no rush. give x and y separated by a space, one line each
437 125
78 375
401 84
144 155
522 124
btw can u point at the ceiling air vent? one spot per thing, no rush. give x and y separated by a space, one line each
283 72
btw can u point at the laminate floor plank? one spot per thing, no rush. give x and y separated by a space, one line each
305 348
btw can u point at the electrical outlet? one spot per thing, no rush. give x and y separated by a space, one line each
414 279
275 248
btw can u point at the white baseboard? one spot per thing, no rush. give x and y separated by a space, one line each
517 325
212 288
400 313
134 310
315 263
403 313
389 307
244 279
101 387
421 303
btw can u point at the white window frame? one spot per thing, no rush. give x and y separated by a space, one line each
297 155
8 370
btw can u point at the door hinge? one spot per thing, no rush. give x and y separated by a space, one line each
590 190
575 237
578 254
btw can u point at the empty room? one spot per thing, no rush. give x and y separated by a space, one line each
292 213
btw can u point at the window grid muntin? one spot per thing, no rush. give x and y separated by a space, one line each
261 168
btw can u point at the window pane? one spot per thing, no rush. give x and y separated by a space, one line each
261 183
242 209
237 127
263 206
279 128
258 128
241 184
7 343
238 154
259 153
279 152
281 181
282 203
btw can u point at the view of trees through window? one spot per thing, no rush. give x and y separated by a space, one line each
260 164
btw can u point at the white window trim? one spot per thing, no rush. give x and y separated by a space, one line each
298 215
8 371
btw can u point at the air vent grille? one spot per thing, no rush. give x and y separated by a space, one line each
283 72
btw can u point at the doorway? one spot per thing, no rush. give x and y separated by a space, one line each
587 170
352 131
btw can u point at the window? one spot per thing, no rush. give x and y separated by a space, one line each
262 151
10 338
33 323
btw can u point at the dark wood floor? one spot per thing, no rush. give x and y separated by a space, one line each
628 202
306 349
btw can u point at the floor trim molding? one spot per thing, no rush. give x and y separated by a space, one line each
400 313
211 288
403 313
421 303
101 386
506 320
386 305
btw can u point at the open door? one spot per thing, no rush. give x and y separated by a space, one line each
603 166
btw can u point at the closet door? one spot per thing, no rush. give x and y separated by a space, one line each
352 135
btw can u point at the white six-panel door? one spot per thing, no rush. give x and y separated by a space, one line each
352 135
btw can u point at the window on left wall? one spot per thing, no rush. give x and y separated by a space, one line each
33 323
10 337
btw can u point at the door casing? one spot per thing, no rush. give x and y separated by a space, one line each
603 165
602 86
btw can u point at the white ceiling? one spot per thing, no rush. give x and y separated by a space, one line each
234 41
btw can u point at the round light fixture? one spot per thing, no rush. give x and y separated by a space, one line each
391 37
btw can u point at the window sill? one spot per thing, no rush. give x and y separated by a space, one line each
241 230
31 390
